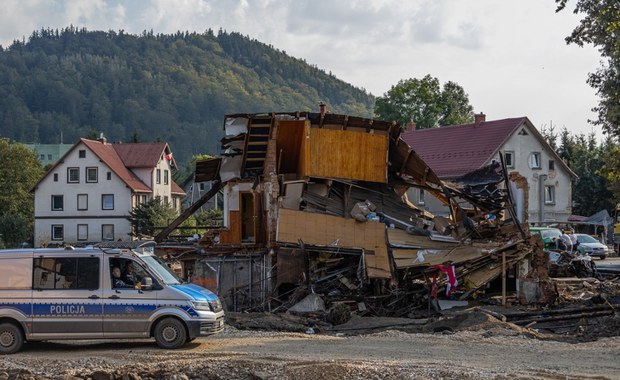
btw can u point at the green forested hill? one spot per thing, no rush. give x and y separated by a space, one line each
76 83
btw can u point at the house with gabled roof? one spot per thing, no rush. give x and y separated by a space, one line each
88 194
540 180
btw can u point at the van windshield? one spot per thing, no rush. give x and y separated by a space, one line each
162 270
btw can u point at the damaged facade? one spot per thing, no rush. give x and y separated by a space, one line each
314 203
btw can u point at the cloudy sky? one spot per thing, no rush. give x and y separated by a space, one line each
509 56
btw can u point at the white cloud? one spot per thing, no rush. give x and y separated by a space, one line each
510 57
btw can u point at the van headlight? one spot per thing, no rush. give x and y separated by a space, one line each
216 305
200 305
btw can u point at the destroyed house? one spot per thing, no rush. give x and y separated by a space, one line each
313 203
540 180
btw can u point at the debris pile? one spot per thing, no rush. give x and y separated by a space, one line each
317 219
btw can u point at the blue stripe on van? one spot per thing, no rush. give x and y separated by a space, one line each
65 309
24 308
129 309
197 293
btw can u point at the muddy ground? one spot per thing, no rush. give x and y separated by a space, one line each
469 345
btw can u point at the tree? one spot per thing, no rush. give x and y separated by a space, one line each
146 216
609 170
455 105
19 172
14 230
601 28
424 102
582 154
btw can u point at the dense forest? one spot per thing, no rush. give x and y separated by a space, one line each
72 83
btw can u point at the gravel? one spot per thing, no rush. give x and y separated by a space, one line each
497 352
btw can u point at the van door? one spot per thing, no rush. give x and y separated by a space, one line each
66 297
126 310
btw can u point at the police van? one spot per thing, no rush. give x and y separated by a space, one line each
77 293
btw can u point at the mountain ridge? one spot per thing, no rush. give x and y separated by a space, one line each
155 87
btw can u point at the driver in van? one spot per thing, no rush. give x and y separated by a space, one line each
129 276
117 282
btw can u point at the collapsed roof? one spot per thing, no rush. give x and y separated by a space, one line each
335 185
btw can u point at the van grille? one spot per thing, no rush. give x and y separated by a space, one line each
207 328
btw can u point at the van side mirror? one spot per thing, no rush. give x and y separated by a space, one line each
146 283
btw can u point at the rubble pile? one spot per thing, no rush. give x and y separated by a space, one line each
318 221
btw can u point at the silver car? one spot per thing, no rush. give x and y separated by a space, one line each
591 246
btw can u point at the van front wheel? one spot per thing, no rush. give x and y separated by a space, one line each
11 338
170 333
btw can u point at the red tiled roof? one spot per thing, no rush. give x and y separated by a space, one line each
454 150
176 189
109 156
141 155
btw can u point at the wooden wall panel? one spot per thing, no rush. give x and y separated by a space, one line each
289 139
345 154
232 235
321 229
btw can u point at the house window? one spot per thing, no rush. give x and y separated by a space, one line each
82 153
166 200
82 202
73 175
201 186
165 177
549 194
158 176
107 202
107 232
421 197
49 157
82 232
535 160
109 176
58 232
509 159
42 157
551 165
91 175
55 177
175 202
58 202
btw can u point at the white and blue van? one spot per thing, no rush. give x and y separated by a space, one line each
71 293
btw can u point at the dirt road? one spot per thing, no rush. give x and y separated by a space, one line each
235 354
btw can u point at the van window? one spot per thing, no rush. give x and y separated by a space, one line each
15 273
66 273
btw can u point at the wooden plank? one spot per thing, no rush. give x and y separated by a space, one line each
321 229
346 154
288 143
398 237
404 258
232 235
378 273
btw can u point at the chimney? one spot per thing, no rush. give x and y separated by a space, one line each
411 126
102 139
322 108
479 118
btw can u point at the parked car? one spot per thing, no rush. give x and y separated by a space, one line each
591 246
549 235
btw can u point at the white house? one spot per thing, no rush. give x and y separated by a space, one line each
88 194
533 166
